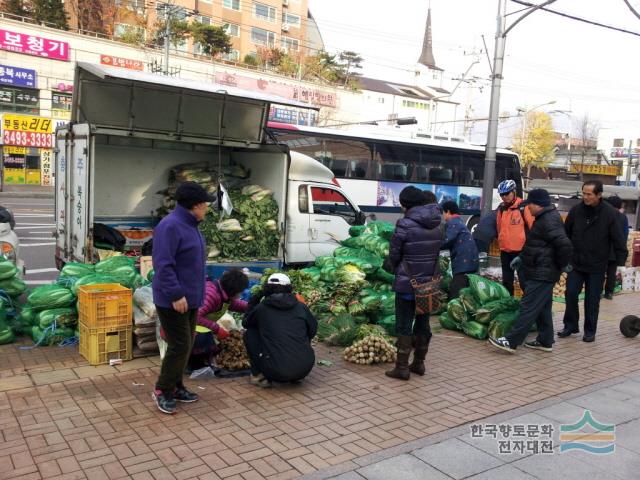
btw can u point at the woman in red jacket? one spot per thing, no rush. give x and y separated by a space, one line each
220 296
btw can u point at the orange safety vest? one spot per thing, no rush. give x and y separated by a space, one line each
512 226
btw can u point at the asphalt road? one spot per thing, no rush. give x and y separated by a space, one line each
34 227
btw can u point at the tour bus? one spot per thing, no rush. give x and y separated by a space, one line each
374 167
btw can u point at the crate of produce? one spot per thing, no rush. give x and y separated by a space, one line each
106 305
99 345
494 249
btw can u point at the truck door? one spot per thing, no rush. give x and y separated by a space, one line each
74 184
60 209
331 216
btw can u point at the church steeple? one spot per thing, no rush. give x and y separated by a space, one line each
426 57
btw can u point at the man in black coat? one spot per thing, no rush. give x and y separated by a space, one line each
278 334
545 254
595 232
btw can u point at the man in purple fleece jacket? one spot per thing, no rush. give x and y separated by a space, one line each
179 257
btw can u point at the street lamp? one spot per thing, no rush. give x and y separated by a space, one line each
494 107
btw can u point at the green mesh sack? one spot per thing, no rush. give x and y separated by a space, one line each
324 260
503 323
468 300
384 230
77 270
14 287
93 279
6 335
314 272
475 330
352 242
28 315
112 263
384 276
490 310
345 252
64 317
388 322
456 311
447 323
357 230
50 296
486 290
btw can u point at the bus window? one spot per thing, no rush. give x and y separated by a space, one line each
350 158
395 162
472 169
507 168
443 167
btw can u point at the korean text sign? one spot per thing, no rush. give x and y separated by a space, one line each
21 77
33 45
27 131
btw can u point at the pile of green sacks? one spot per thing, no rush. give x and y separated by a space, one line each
358 262
50 315
483 309
11 287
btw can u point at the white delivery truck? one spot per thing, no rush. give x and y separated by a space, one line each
129 128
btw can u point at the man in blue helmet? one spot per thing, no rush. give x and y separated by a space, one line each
512 224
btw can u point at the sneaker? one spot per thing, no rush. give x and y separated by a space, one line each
260 381
536 345
185 396
608 296
164 402
502 343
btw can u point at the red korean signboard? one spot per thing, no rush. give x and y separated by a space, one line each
121 62
33 45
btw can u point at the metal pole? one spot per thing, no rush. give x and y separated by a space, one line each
628 175
492 133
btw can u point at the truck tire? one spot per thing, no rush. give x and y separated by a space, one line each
630 326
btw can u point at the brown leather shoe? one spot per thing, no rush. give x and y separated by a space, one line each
401 370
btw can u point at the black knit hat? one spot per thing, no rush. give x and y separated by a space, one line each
190 194
411 197
538 196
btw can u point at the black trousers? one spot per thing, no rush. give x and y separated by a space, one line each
612 270
508 275
179 330
406 318
535 307
458 282
593 288
253 345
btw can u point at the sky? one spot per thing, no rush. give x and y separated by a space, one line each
584 69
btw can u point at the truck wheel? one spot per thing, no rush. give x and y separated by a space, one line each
630 326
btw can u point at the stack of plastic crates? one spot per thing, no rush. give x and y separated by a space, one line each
105 312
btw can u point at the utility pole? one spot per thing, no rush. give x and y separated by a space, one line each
167 39
494 106
628 176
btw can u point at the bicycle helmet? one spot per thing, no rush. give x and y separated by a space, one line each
506 186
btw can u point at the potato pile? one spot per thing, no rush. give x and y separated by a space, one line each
560 287
233 355
371 349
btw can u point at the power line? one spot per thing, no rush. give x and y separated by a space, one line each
579 19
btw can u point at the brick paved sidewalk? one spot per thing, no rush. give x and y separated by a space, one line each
60 418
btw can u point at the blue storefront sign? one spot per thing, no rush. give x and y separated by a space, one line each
21 77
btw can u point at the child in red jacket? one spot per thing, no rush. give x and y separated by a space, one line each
220 296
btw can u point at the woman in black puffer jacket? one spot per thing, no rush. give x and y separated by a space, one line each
413 253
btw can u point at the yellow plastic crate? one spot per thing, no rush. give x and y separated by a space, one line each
106 305
99 344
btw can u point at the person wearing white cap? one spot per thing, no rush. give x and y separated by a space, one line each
278 334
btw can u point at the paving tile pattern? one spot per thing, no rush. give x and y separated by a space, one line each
60 418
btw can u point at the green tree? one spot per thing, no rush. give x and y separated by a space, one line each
14 7
350 62
250 60
179 31
50 12
213 39
534 142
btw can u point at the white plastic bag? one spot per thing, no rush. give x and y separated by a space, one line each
143 298
162 345
204 372
141 319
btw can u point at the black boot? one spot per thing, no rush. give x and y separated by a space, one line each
421 346
401 369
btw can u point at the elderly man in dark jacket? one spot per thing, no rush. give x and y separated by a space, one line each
594 229
464 253
545 254
413 254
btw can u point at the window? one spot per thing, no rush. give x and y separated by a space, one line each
289 44
21 100
327 201
263 37
264 12
232 29
291 19
413 104
61 105
231 4
618 142
380 99
232 56
134 5
303 199
203 20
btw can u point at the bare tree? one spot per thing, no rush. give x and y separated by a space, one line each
586 133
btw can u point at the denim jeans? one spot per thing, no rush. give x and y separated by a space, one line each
593 283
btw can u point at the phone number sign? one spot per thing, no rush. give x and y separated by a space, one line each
27 131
